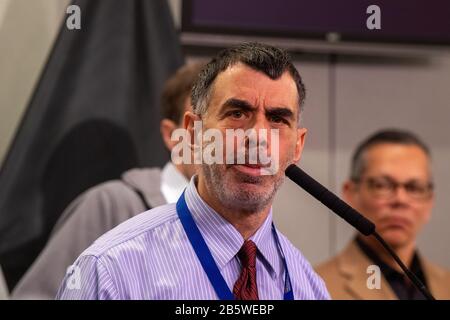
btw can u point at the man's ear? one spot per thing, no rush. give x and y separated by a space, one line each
189 123
299 144
166 128
348 191
430 209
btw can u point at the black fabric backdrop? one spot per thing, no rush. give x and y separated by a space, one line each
94 114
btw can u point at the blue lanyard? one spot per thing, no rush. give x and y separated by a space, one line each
207 260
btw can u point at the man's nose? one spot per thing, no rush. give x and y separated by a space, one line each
261 127
401 195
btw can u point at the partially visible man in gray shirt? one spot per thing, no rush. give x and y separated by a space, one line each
105 206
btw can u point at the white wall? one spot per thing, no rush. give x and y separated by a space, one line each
27 32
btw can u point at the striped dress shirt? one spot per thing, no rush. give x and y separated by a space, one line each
150 257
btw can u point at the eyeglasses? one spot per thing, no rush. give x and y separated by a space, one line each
385 187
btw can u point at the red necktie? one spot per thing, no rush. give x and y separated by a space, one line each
245 287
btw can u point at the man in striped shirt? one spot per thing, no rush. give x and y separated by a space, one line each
218 241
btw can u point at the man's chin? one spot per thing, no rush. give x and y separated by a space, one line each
248 188
240 188
247 199
395 238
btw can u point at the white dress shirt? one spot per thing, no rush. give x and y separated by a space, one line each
173 183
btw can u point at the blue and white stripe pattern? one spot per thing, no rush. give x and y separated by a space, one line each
150 257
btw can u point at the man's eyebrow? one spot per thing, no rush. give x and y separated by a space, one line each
237 104
283 112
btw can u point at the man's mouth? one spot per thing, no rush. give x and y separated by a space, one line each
397 223
249 169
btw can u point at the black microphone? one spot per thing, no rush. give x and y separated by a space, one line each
353 217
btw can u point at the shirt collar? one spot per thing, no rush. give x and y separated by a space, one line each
223 240
173 183
387 270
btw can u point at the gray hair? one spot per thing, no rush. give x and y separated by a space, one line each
381 137
270 60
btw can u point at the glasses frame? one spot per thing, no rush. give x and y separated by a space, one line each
395 185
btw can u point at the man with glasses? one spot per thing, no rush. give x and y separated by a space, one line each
391 184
